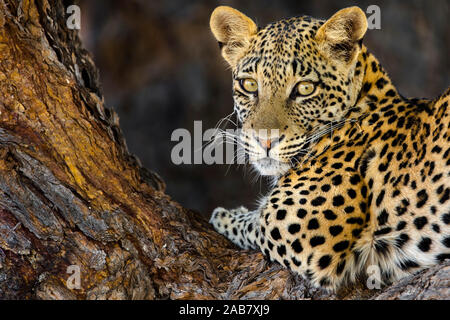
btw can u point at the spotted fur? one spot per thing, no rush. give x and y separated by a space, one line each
363 173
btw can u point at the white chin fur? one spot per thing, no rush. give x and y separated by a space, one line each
271 167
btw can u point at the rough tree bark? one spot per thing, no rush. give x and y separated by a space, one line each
71 193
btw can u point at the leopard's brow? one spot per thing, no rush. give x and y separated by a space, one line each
249 64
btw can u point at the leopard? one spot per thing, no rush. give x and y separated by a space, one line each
361 174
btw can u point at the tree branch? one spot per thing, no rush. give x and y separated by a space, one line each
72 194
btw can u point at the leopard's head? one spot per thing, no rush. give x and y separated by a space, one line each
293 80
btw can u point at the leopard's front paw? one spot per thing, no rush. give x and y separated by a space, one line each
239 225
223 219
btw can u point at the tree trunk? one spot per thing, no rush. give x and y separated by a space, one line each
72 195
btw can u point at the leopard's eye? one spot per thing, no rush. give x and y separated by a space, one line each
249 85
304 88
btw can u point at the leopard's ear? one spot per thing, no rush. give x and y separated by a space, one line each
233 30
340 36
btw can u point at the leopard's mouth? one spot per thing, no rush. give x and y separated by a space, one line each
268 166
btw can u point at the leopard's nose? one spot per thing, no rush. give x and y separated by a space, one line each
268 143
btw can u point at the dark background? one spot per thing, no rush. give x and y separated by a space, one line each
161 69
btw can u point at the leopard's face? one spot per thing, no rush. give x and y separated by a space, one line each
289 87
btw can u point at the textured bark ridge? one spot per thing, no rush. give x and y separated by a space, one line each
71 193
